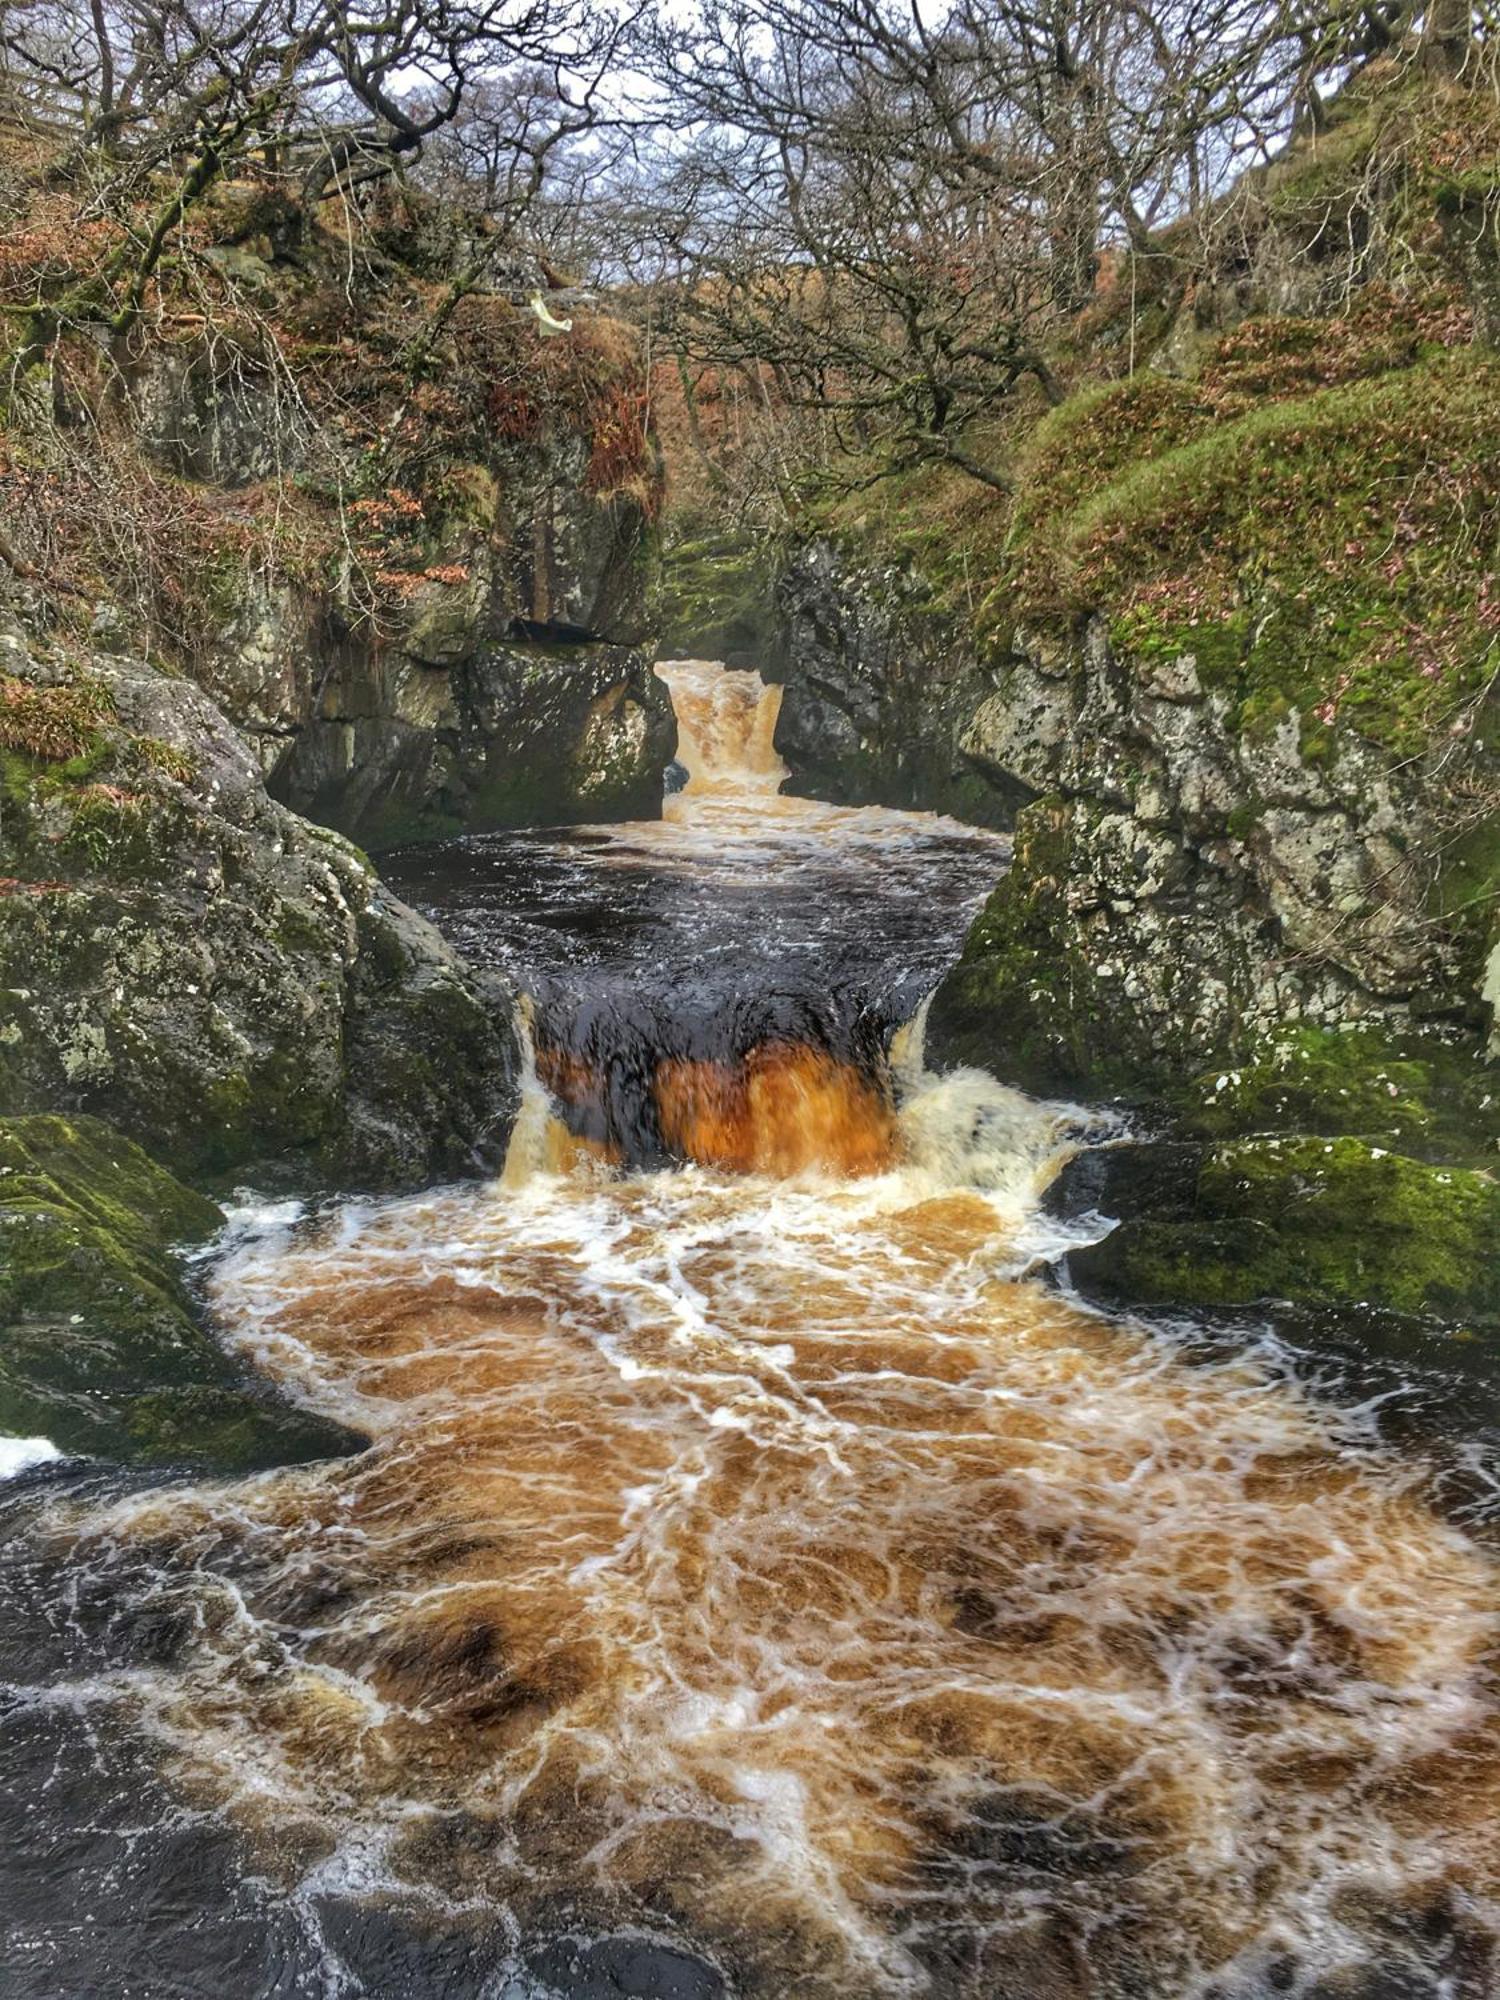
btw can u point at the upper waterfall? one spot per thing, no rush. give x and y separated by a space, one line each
726 726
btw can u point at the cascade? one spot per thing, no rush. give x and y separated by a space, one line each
758 1564
726 728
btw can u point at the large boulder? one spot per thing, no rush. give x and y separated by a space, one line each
230 984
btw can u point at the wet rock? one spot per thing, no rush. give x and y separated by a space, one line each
101 1348
1186 884
227 982
626 1967
1424 1092
1335 1222
878 698
520 735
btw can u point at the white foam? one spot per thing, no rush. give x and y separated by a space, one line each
20 1454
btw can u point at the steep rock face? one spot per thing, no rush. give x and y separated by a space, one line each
489 665
400 524
227 982
1189 879
1192 872
879 696
520 733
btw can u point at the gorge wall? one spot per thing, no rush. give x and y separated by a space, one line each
498 670
1226 657
1197 864
330 537
368 496
1225 654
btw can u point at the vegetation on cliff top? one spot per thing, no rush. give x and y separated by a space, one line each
1308 498
266 418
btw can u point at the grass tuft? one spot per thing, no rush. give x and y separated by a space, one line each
51 724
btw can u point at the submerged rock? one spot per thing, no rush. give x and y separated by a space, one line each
226 981
101 1348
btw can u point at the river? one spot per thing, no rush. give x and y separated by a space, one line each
765 1578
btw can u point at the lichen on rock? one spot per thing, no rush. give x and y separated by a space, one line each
228 982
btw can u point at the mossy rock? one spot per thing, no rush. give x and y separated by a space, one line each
100 1346
1466 893
1320 513
1425 1093
716 598
1024 1001
1321 1222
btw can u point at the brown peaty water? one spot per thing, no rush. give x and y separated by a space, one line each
757 1552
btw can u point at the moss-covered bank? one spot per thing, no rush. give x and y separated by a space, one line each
1348 1169
717 592
102 1348
1231 638
1321 1222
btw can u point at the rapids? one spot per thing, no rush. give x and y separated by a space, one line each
764 1578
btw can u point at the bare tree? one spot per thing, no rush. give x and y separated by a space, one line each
887 218
159 99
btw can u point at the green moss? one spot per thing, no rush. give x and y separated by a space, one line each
100 1346
1466 893
1097 435
1346 530
1241 821
117 830
467 493
79 769
84 1165
1319 1222
1466 189
1019 1002
716 590
167 758
1277 357
1421 1092
1145 636
297 928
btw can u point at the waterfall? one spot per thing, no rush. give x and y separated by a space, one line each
726 727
